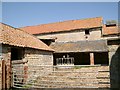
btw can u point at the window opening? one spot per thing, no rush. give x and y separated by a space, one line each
87 32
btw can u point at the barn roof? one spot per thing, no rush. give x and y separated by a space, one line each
17 37
64 26
80 46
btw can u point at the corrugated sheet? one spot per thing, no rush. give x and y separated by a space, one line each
64 26
17 37
80 46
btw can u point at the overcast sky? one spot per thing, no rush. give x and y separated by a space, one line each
20 14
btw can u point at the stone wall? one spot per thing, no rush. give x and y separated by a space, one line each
32 57
37 62
37 57
119 65
0 74
0 51
114 57
6 52
73 35
0 66
76 77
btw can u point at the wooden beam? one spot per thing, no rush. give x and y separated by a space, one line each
91 58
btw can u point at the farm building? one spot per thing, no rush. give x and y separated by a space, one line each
82 42
80 39
22 49
86 55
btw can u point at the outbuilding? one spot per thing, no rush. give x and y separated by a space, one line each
18 48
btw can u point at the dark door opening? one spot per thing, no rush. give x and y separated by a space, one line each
101 58
17 53
82 59
79 58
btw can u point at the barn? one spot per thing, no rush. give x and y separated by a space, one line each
20 49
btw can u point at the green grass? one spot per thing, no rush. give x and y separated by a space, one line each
79 67
27 86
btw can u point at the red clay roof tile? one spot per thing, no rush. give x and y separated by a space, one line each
17 37
110 30
64 26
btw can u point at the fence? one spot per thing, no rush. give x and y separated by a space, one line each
61 76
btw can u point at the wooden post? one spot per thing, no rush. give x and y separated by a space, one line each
3 75
0 74
56 61
25 73
91 58
8 74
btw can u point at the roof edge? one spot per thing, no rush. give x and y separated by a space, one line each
63 21
50 49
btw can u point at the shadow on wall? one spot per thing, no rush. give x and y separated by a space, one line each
115 69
